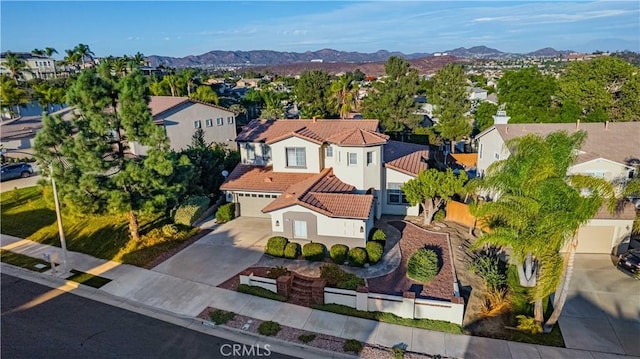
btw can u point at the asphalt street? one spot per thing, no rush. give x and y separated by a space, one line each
9 185
40 322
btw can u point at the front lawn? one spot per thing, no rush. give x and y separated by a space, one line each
26 213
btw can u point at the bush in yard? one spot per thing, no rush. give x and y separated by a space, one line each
191 210
314 251
260 292
422 265
439 216
357 256
379 236
488 267
226 212
278 271
221 317
352 345
338 278
306 338
169 230
275 246
292 250
528 324
338 253
374 251
269 328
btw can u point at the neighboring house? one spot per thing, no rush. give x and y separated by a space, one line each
611 151
322 180
477 93
40 67
182 116
248 83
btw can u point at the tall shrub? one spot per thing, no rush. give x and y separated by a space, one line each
338 253
275 246
191 210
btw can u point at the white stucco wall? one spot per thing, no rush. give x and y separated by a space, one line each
279 157
611 171
327 226
488 146
361 175
393 176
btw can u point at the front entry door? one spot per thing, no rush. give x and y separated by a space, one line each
300 229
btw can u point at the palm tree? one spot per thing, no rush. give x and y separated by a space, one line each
538 211
344 93
15 65
172 81
84 51
72 58
37 52
138 59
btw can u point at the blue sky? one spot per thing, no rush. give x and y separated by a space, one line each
180 28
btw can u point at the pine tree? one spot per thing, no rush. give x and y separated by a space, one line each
91 157
449 97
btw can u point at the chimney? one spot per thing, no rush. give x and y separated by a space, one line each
501 118
606 125
577 124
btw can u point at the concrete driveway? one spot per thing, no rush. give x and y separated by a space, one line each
602 312
216 257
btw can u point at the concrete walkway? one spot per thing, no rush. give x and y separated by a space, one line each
176 299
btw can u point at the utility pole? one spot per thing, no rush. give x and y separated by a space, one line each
63 242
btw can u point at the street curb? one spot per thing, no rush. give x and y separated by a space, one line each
196 324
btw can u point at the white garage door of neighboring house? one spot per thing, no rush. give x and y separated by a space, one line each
251 204
595 239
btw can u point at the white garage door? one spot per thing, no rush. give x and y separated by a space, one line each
251 204
595 239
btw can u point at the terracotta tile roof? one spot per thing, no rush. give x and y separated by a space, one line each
261 179
358 137
316 130
160 104
617 141
408 158
326 194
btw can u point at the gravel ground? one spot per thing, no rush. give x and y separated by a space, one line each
321 341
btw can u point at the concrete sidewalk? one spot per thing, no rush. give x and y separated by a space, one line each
177 299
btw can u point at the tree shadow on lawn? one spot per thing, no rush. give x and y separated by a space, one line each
27 223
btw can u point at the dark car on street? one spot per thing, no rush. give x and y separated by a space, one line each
15 170
630 261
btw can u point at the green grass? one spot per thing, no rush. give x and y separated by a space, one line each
437 325
20 260
260 292
88 279
29 213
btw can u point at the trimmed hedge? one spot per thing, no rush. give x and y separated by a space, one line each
314 251
339 253
422 265
357 256
260 292
275 246
374 251
269 328
226 212
221 316
352 345
292 250
379 235
192 208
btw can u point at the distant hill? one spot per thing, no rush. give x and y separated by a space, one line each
269 58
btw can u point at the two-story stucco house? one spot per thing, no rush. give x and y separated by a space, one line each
322 180
182 116
610 151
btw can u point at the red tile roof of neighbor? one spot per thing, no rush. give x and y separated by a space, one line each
408 158
317 131
615 141
160 104
326 194
261 179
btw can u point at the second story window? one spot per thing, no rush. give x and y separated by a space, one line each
230 120
266 152
352 159
296 157
251 152
197 124
220 121
369 157
209 122
329 151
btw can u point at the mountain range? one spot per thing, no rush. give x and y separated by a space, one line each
268 57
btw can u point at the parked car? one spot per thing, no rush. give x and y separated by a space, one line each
630 261
15 170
